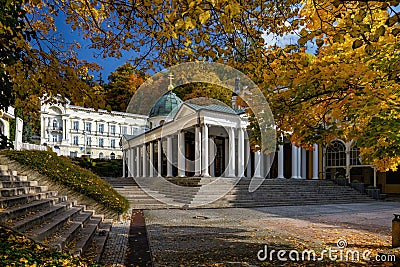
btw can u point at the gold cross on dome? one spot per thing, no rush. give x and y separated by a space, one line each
171 77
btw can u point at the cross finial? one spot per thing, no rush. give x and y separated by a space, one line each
170 86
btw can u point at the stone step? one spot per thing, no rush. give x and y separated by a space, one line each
9 178
97 245
7 202
22 210
12 184
64 235
16 191
83 239
39 217
270 193
40 232
4 169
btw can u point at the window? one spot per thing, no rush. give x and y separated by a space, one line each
123 130
73 154
88 141
112 129
112 143
88 126
101 142
75 125
355 158
55 138
101 155
101 128
55 124
336 154
112 156
134 130
76 140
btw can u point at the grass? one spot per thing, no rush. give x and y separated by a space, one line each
62 170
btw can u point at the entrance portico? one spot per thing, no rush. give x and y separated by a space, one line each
193 143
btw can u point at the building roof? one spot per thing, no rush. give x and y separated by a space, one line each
168 103
218 108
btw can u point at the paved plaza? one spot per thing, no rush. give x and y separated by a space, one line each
233 237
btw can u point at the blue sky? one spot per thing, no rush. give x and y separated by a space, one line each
89 54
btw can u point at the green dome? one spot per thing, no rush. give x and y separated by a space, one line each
166 104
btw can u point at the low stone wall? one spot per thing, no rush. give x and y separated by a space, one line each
62 190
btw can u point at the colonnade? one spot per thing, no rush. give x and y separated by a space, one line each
141 158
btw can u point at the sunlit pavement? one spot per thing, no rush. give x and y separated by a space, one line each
236 235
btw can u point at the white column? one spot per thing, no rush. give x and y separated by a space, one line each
204 152
43 129
64 130
134 170
123 162
280 162
151 159
315 162
299 163
257 164
181 154
294 162
197 149
138 172
144 156
268 163
211 146
226 148
159 158
248 157
304 163
232 154
169 156
240 152
131 163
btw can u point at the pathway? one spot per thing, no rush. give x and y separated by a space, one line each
235 236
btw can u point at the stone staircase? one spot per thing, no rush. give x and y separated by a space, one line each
46 217
227 192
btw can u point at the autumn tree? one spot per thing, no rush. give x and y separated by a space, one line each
122 85
351 85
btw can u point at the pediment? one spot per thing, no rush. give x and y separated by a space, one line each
184 111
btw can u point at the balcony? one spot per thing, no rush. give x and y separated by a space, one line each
54 128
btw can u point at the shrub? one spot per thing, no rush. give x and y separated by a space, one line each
355 181
101 167
19 250
63 171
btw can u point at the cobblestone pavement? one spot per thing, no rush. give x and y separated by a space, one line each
233 237
115 250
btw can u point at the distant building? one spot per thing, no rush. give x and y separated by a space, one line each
83 131
5 117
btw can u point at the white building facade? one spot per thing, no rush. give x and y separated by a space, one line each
5 117
83 131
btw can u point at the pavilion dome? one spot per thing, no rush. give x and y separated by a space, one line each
166 104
